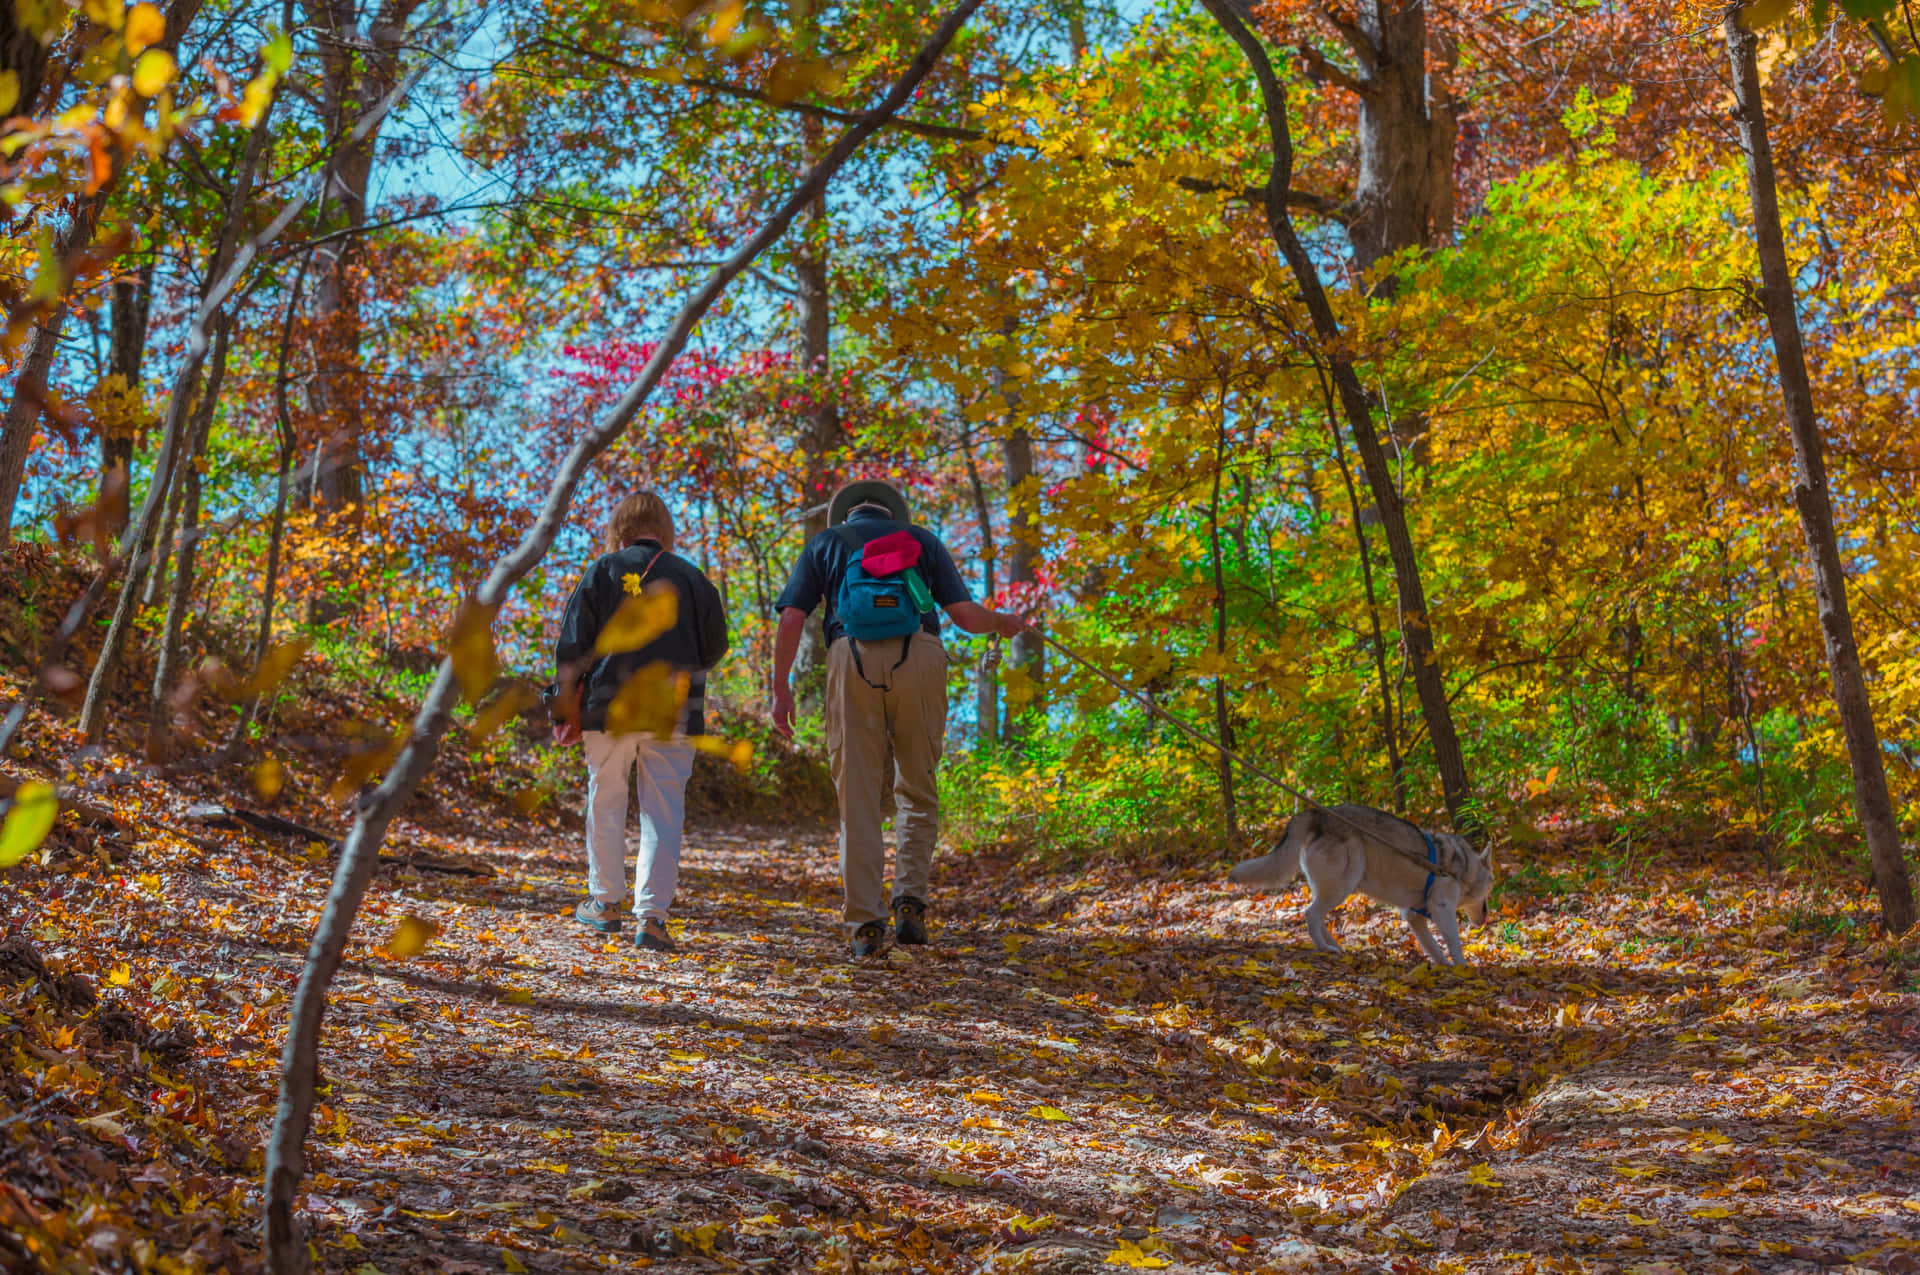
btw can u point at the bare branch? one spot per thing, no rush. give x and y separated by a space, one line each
1320 67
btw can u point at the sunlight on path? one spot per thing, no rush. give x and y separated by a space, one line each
1045 1088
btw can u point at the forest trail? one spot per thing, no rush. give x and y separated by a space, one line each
1078 1072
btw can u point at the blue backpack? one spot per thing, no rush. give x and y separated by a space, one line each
873 605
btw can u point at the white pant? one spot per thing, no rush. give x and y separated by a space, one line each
664 766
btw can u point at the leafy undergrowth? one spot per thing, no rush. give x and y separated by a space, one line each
1688 1068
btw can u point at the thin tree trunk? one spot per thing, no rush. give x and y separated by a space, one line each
288 443
286 1250
1223 719
1871 802
820 435
1428 675
132 302
1396 765
1027 651
180 596
23 412
357 67
987 688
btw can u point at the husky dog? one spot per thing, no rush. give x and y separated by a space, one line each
1347 848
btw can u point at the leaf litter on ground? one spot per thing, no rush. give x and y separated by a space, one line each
1700 1070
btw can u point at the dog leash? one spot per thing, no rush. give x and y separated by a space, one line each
1193 732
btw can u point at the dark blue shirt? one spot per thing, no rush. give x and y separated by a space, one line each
816 576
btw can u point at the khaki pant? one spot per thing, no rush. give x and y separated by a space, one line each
900 720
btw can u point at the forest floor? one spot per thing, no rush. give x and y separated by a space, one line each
1664 1065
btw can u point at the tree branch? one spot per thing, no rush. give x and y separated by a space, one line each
1320 204
1320 67
1364 50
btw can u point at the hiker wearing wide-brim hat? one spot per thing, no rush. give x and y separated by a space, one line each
884 582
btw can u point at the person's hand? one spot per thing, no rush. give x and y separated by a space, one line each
783 712
1011 625
566 734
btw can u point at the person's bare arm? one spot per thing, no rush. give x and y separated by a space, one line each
786 645
971 617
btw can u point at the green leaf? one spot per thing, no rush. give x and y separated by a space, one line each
29 820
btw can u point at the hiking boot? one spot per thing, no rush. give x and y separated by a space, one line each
596 915
653 937
909 920
870 939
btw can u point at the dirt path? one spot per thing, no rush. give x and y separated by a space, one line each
1079 1072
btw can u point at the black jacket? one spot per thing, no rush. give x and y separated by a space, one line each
696 642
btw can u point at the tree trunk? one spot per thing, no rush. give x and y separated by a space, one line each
286 1249
1027 652
288 443
987 687
359 69
1393 197
1396 766
1871 801
23 412
820 434
1223 719
132 301
1428 675
161 706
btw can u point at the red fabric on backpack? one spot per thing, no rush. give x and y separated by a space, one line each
890 554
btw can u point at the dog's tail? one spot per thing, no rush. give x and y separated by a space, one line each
1281 864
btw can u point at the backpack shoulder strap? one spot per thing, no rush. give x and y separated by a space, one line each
848 536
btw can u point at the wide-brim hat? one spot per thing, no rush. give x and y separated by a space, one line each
867 492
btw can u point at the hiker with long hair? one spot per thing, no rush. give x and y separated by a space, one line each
639 634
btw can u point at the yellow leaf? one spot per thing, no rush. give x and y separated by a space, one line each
29 820
1048 1113
274 666
739 751
9 91
1131 1254
984 1095
1627 1171
1481 1175
410 937
948 1177
145 27
724 22
120 975
153 72
269 777
1715 1212
519 996
650 702
475 665
1764 13
639 620
512 1263
1637 1220
253 102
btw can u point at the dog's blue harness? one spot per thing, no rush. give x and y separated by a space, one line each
1433 861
